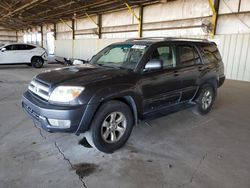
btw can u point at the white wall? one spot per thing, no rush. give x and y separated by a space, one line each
7 35
82 49
235 51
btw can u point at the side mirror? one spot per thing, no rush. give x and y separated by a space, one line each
154 64
3 49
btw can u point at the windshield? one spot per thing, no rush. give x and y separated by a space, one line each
120 56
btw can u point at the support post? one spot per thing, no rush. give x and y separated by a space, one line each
16 36
214 8
73 29
239 6
97 24
41 35
55 36
139 19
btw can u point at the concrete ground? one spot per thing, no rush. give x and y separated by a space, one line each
182 149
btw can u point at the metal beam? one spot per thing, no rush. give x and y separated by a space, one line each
42 35
26 6
138 18
141 21
73 29
93 21
214 8
66 24
239 5
16 36
55 32
100 26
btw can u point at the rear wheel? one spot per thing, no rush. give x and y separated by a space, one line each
111 127
205 100
37 62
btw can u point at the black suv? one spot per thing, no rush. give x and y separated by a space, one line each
123 84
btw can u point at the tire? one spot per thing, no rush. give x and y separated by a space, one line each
205 100
111 127
37 62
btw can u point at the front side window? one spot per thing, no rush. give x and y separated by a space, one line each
166 55
9 47
120 56
188 56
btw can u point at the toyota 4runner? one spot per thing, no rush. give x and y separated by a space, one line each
124 83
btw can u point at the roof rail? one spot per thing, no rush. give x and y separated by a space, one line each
166 39
146 38
187 38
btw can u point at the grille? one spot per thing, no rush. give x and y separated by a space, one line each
39 89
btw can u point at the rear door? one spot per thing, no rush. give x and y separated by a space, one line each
190 66
26 52
161 88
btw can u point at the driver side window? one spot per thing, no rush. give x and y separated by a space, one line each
11 47
8 48
166 55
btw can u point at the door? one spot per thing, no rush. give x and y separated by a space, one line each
161 88
9 55
189 65
26 52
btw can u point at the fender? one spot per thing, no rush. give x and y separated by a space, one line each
211 78
123 92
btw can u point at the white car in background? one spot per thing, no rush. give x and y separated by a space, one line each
22 53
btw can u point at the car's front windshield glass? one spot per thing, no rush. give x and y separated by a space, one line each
120 56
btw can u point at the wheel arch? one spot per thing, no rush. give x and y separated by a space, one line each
36 56
129 101
211 81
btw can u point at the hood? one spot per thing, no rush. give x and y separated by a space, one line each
80 75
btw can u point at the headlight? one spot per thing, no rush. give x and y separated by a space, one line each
65 93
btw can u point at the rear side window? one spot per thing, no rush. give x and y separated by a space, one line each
210 53
25 47
28 47
188 56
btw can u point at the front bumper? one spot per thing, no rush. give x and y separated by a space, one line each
40 112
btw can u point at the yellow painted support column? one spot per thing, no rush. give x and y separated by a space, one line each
138 18
214 16
92 20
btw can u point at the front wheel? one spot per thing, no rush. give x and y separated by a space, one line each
111 127
37 62
205 100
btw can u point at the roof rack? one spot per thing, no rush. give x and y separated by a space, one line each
166 39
